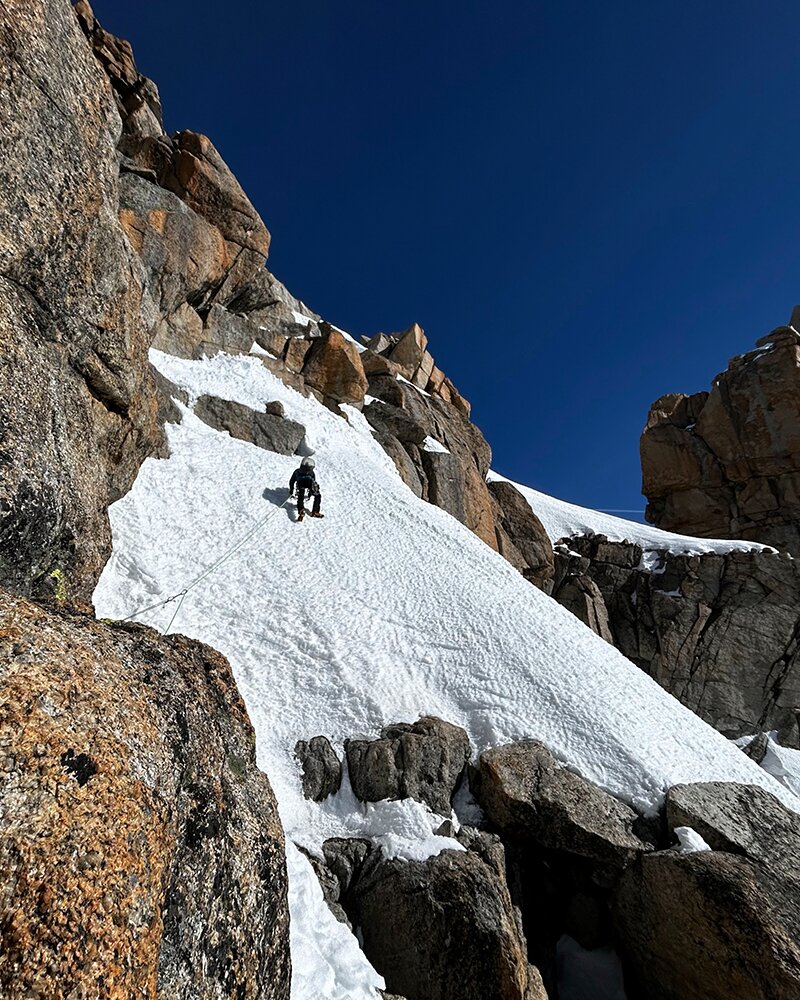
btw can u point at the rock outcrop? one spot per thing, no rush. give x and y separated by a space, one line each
406 354
567 844
521 536
726 463
75 319
333 367
423 761
532 800
440 929
141 849
322 769
721 632
448 456
265 430
721 923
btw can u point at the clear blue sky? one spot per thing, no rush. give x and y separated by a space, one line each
586 205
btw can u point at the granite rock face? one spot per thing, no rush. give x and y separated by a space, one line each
440 929
137 97
141 849
201 242
75 320
719 923
424 761
532 800
450 468
726 463
333 367
265 430
521 536
721 632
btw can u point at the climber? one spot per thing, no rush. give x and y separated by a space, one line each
306 482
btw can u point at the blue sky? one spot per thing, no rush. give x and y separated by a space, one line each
585 205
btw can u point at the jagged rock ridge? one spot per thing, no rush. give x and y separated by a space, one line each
726 463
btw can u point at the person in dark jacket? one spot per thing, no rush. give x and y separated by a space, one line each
305 481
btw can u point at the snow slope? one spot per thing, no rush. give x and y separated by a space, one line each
386 610
562 520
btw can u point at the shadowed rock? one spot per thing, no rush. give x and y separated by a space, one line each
532 800
265 430
78 409
518 523
721 632
444 929
322 769
423 761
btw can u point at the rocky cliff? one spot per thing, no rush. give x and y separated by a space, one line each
141 851
726 463
558 864
721 632
77 401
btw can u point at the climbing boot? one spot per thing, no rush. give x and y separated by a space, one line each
316 513
300 515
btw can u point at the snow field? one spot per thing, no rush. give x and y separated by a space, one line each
386 610
562 520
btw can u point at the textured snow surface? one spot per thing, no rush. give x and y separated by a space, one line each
562 520
327 962
385 610
781 762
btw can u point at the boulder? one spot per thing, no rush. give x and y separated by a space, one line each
708 926
726 464
526 532
75 318
739 819
423 761
443 929
322 769
409 349
333 367
140 844
265 430
533 800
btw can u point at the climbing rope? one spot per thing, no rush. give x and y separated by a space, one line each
180 596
